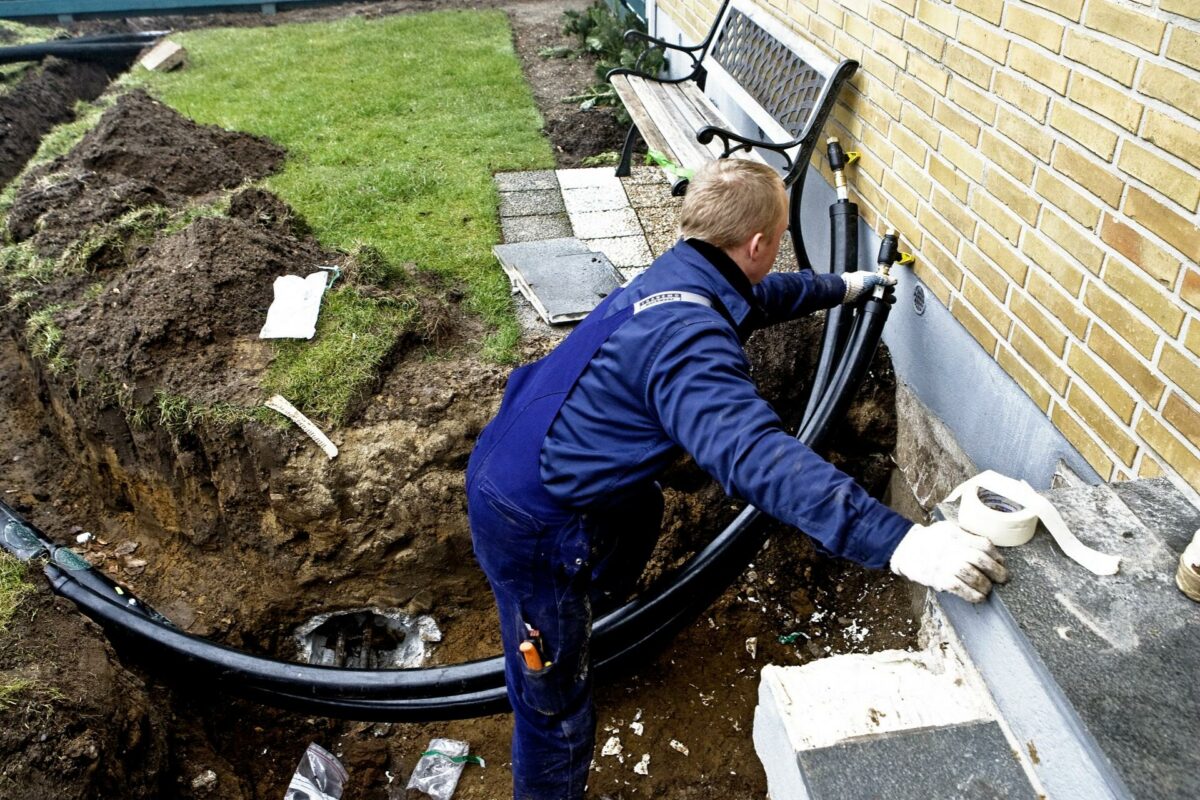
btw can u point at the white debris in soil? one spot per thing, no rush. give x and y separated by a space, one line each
205 780
84 537
637 727
643 766
854 633
752 646
612 747
679 747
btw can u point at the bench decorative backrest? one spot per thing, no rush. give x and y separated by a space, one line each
776 78
772 74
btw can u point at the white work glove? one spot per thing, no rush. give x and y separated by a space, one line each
858 283
944 557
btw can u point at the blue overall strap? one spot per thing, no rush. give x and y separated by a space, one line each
509 449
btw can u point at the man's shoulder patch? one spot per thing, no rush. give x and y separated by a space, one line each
661 298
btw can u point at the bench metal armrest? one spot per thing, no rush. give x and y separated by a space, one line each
698 73
735 141
688 50
633 33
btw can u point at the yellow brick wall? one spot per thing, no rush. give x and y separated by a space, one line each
1042 161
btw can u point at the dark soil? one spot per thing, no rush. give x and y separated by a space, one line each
141 153
243 531
44 97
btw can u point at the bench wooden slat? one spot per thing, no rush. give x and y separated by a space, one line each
670 122
705 113
668 117
640 116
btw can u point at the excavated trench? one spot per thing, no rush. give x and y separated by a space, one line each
238 529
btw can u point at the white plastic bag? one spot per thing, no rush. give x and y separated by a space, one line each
320 776
436 774
293 313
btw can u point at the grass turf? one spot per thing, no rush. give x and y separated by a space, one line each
13 34
13 587
393 129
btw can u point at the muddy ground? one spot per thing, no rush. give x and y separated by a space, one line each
240 530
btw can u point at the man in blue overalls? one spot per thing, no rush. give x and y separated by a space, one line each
560 487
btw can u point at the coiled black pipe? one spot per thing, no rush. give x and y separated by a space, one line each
106 47
461 690
618 637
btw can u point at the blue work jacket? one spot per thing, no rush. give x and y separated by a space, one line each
679 378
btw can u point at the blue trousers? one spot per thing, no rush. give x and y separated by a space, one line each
552 574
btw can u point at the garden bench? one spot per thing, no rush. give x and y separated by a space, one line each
785 85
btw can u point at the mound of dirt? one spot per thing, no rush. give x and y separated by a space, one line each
43 98
183 317
140 153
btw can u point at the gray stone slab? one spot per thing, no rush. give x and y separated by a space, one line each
623 251
962 762
561 278
606 224
595 198
524 181
591 176
535 228
1122 649
535 202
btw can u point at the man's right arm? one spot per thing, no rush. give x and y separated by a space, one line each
699 384
700 387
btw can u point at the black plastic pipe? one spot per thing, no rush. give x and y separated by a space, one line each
860 350
856 360
843 258
119 50
617 637
621 638
455 691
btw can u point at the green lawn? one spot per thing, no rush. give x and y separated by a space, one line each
14 33
393 129
13 587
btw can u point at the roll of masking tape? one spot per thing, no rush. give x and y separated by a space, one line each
1004 522
1007 512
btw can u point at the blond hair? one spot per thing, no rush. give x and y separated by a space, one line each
730 200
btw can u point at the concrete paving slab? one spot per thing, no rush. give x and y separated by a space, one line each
623 251
629 273
606 224
1120 652
525 181
971 761
529 203
608 197
561 278
535 228
591 176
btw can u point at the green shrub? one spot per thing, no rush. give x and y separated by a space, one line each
601 33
